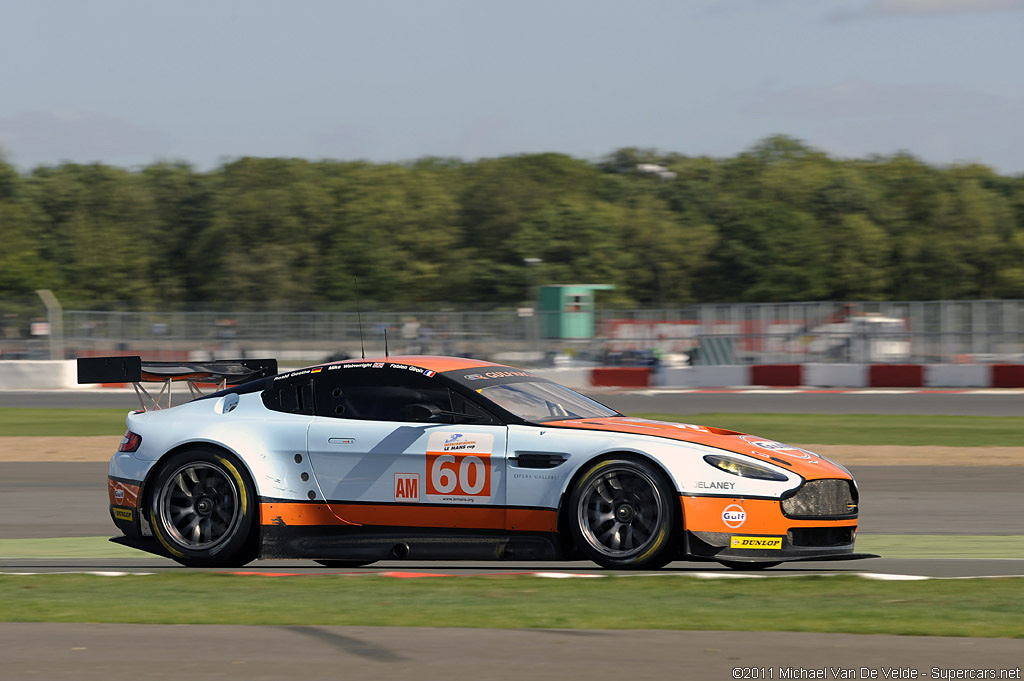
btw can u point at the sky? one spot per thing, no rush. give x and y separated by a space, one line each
205 81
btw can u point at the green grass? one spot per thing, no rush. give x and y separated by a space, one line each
66 547
825 429
868 429
987 608
933 546
15 421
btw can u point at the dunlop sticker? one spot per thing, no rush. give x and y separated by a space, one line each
755 542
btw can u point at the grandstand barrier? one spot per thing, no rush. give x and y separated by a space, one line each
777 375
26 374
957 376
1007 376
836 375
724 376
62 375
896 375
621 377
846 376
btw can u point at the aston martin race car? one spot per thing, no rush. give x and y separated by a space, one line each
428 458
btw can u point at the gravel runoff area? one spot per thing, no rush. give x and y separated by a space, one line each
100 448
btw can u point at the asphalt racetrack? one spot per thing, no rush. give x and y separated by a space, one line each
312 653
68 500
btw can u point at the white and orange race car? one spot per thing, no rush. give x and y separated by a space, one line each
445 458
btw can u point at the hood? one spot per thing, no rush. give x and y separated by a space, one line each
802 462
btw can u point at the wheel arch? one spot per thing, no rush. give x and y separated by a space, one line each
563 517
146 490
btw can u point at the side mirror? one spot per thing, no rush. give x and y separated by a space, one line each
422 412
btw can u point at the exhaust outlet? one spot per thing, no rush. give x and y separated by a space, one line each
400 550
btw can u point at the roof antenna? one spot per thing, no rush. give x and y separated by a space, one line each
359 317
385 342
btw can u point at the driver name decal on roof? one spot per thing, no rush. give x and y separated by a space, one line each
383 365
459 467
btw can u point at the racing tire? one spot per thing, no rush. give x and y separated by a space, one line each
740 565
623 514
203 509
341 563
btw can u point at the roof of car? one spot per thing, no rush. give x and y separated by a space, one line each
436 363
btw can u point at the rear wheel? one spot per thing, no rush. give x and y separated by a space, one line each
623 514
202 509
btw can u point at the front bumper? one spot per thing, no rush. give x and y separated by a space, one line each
759 531
723 546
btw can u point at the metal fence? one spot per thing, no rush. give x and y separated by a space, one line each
980 331
929 331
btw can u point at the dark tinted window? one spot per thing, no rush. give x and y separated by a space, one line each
290 396
376 394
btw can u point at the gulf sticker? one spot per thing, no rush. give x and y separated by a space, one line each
122 493
459 467
784 449
734 516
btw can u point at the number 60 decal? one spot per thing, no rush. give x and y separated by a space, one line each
466 474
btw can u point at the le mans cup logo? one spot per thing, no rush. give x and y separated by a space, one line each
734 516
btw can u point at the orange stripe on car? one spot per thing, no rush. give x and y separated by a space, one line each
409 515
297 513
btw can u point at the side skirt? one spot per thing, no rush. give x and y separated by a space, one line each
369 543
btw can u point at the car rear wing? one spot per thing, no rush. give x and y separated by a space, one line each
135 370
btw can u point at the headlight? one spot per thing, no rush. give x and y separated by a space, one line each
744 469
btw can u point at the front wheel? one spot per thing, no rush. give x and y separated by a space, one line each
623 514
202 509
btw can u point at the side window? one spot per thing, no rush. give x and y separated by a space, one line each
464 405
376 394
290 396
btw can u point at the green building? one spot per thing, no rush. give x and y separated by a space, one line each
567 311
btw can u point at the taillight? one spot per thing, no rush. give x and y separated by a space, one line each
130 442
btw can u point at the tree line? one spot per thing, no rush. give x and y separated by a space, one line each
779 222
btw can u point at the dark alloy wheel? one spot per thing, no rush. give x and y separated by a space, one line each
202 509
623 514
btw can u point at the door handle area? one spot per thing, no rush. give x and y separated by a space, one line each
341 440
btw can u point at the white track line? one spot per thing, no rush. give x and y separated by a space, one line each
877 576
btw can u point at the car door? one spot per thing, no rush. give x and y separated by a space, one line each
377 467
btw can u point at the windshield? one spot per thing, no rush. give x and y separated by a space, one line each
537 401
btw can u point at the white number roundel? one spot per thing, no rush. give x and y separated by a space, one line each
442 478
479 476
